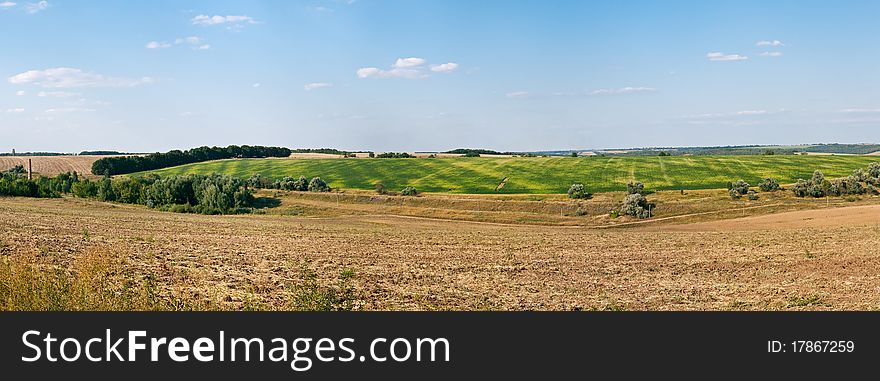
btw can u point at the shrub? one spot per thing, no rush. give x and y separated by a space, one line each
752 195
371 154
740 187
409 191
578 191
380 188
318 185
769 185
733 193
635 187
874 170
85 189
636 205
817 186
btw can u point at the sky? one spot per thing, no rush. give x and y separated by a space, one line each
146 76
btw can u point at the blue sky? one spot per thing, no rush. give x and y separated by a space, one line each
435 75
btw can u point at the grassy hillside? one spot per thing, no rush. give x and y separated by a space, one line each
539 174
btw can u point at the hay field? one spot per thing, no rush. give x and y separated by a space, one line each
537 175
51 165
407 262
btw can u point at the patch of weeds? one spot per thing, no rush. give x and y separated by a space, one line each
312 296
86 235
809 255
805 301
738 305
851 199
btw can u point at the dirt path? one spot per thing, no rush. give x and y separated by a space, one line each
829 217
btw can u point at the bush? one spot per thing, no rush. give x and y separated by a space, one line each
874 170
394 155
817 186
733 194
409 191
741 187
753 196
769 185
636 205
380 188
635 187
578 191
318 185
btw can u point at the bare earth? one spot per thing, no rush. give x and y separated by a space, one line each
810 259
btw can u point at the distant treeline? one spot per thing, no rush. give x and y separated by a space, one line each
479 151
129 164
330 151
34 154
103 153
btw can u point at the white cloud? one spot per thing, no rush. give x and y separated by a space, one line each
19 93
770 43
752 112
257 85
15 110
68 110
7 4
202 47
36 7
410 68
411 62
193 40
317 85
157 45
771 54
718 56
218 20
65 77
57 94
444 68
624 90
860 110
517 94
372 72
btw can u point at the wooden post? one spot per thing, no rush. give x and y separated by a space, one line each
30 170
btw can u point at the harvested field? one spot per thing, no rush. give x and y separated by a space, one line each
405 263
51 165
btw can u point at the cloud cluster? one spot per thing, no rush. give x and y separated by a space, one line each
36 7
7 5
409 68
775 43
718 56
196 43
233 22
65 77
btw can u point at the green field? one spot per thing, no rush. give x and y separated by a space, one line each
539 174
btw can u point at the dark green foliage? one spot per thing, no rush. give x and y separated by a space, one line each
471 154
578 191
740 187
318 185
733 194
409 191
85 189
663 153
257 181
817 186
478 151
394 155
371 154
101 153
14 184
769 185
330 151
753 196
130 164
635 187
17 170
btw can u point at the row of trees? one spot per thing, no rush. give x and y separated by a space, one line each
859 182
394 155
14 183
129 164
301 184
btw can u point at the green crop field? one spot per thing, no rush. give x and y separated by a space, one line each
539 174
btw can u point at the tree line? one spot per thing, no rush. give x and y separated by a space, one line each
120 165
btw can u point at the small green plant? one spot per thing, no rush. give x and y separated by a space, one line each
409 191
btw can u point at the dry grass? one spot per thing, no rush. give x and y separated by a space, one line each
405 263
51 165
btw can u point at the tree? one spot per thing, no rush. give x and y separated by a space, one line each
318 185
574 154
635 187
769 185
740 187
578 191
636 205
